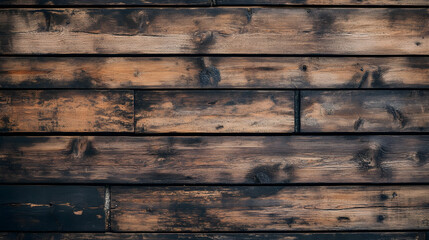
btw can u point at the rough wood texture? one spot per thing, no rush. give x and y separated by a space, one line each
214 111
108 2
217 236
269 208
66 111
51 208
326 2
215 159
223 72
215 30
365 111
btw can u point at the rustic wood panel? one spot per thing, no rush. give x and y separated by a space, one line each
51 208
214 111
215 159
269 208
214 72
106 2
365 111
217 236
215 30
326 2
66 111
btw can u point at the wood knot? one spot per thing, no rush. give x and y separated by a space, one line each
81 147
203 39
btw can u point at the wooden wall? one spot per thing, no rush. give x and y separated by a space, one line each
214 119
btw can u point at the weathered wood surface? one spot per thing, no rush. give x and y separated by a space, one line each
223 72
365 111
269 208
214 111
218 236
66 111
215 159
215 30
326 2
108 2
51 208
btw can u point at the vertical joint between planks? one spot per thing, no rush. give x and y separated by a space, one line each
107 197
297 111
212 3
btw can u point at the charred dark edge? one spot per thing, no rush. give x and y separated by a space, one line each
231 89
121 184
209 55
297 111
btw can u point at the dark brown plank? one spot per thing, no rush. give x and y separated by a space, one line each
365 111
52 208
217 236
382 31
66 111
223 72
325 2
269 208
106 2
215 159
214 111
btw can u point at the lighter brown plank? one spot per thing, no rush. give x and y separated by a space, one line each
269 208
217 236
223 72
365 111
215 159
66 111
326 2
215 30
214 111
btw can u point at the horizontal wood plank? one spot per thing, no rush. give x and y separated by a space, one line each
214 111
269 208
66 111
365 111
214 72
325 2
107 2
215 159
217 236
215 30
52 208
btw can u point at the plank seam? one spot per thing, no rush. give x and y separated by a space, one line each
297 110
107 207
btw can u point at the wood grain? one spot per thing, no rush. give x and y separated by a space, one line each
215 30
223 72
269 208
325 2
215 159
51 208
217 236
365 111
106 2
214 111
66 111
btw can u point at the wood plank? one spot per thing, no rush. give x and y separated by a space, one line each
66 111
325 2
269 208
215 30
365 111
217 236
214 111
52 208
224 72
106 2
215 159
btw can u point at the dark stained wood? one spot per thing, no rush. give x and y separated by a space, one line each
217 236
365 111
223 72
106 2
66 111
215 159
215 30
214 111
269 208
51 208
326 2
